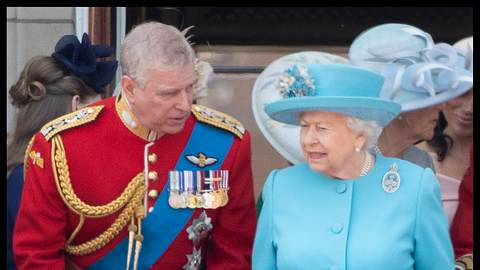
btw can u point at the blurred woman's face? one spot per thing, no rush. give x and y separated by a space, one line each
459 115
421 123
327 142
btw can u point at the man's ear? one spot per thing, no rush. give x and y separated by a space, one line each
128 88
75 103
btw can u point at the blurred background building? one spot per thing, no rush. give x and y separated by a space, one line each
238 41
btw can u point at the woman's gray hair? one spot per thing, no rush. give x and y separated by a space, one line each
370 129
154 45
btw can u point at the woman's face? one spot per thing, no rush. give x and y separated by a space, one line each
327 142
459 115
421 123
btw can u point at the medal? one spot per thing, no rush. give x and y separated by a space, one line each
192 200
183 191
198 188
207 199
224 190
172 201
391 179
224 197
183 202
179 200
217 202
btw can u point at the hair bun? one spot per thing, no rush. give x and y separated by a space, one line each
36 90
24 92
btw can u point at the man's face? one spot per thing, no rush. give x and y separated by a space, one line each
163 103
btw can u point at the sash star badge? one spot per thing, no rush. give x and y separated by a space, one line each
194 260
201 160
200 228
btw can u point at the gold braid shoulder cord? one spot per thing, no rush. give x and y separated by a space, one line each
131 198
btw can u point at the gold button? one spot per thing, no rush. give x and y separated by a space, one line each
153 176
150 209
152 158
153 193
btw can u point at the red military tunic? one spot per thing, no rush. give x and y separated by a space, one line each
461 230
103 155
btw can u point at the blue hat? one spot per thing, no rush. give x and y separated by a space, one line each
340 88
283 137
418 73
81 60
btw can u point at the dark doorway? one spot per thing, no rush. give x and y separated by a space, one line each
293 26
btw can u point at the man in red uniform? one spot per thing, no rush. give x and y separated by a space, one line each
145 180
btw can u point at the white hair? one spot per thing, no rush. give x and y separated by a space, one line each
154 45
370 129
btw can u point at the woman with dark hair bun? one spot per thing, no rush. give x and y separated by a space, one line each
49 87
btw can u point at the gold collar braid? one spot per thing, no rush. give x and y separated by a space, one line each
131 198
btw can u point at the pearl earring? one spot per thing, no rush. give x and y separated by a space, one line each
357 149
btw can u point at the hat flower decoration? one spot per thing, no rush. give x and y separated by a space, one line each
418 73
286 77
81 60
296 83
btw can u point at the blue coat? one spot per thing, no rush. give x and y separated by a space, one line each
14 193
311 221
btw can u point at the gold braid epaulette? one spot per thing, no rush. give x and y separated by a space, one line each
70 120
218 119
131 198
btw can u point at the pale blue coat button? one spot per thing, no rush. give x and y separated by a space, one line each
337 228
341 188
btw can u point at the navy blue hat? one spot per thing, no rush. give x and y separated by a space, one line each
81 60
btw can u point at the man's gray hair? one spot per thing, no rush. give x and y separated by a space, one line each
370 129
154 45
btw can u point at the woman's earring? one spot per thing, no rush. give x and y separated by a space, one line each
357 149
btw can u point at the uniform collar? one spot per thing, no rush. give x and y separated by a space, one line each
130 120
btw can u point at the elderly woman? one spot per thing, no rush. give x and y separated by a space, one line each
345 208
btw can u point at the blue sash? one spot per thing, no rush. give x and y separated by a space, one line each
161 227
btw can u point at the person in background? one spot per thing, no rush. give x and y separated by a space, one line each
452 139
345 208
461 230
49 87
144 180
420 75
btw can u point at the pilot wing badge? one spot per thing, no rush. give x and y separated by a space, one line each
201 160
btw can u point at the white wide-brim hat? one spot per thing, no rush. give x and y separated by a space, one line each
283 137
418 73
